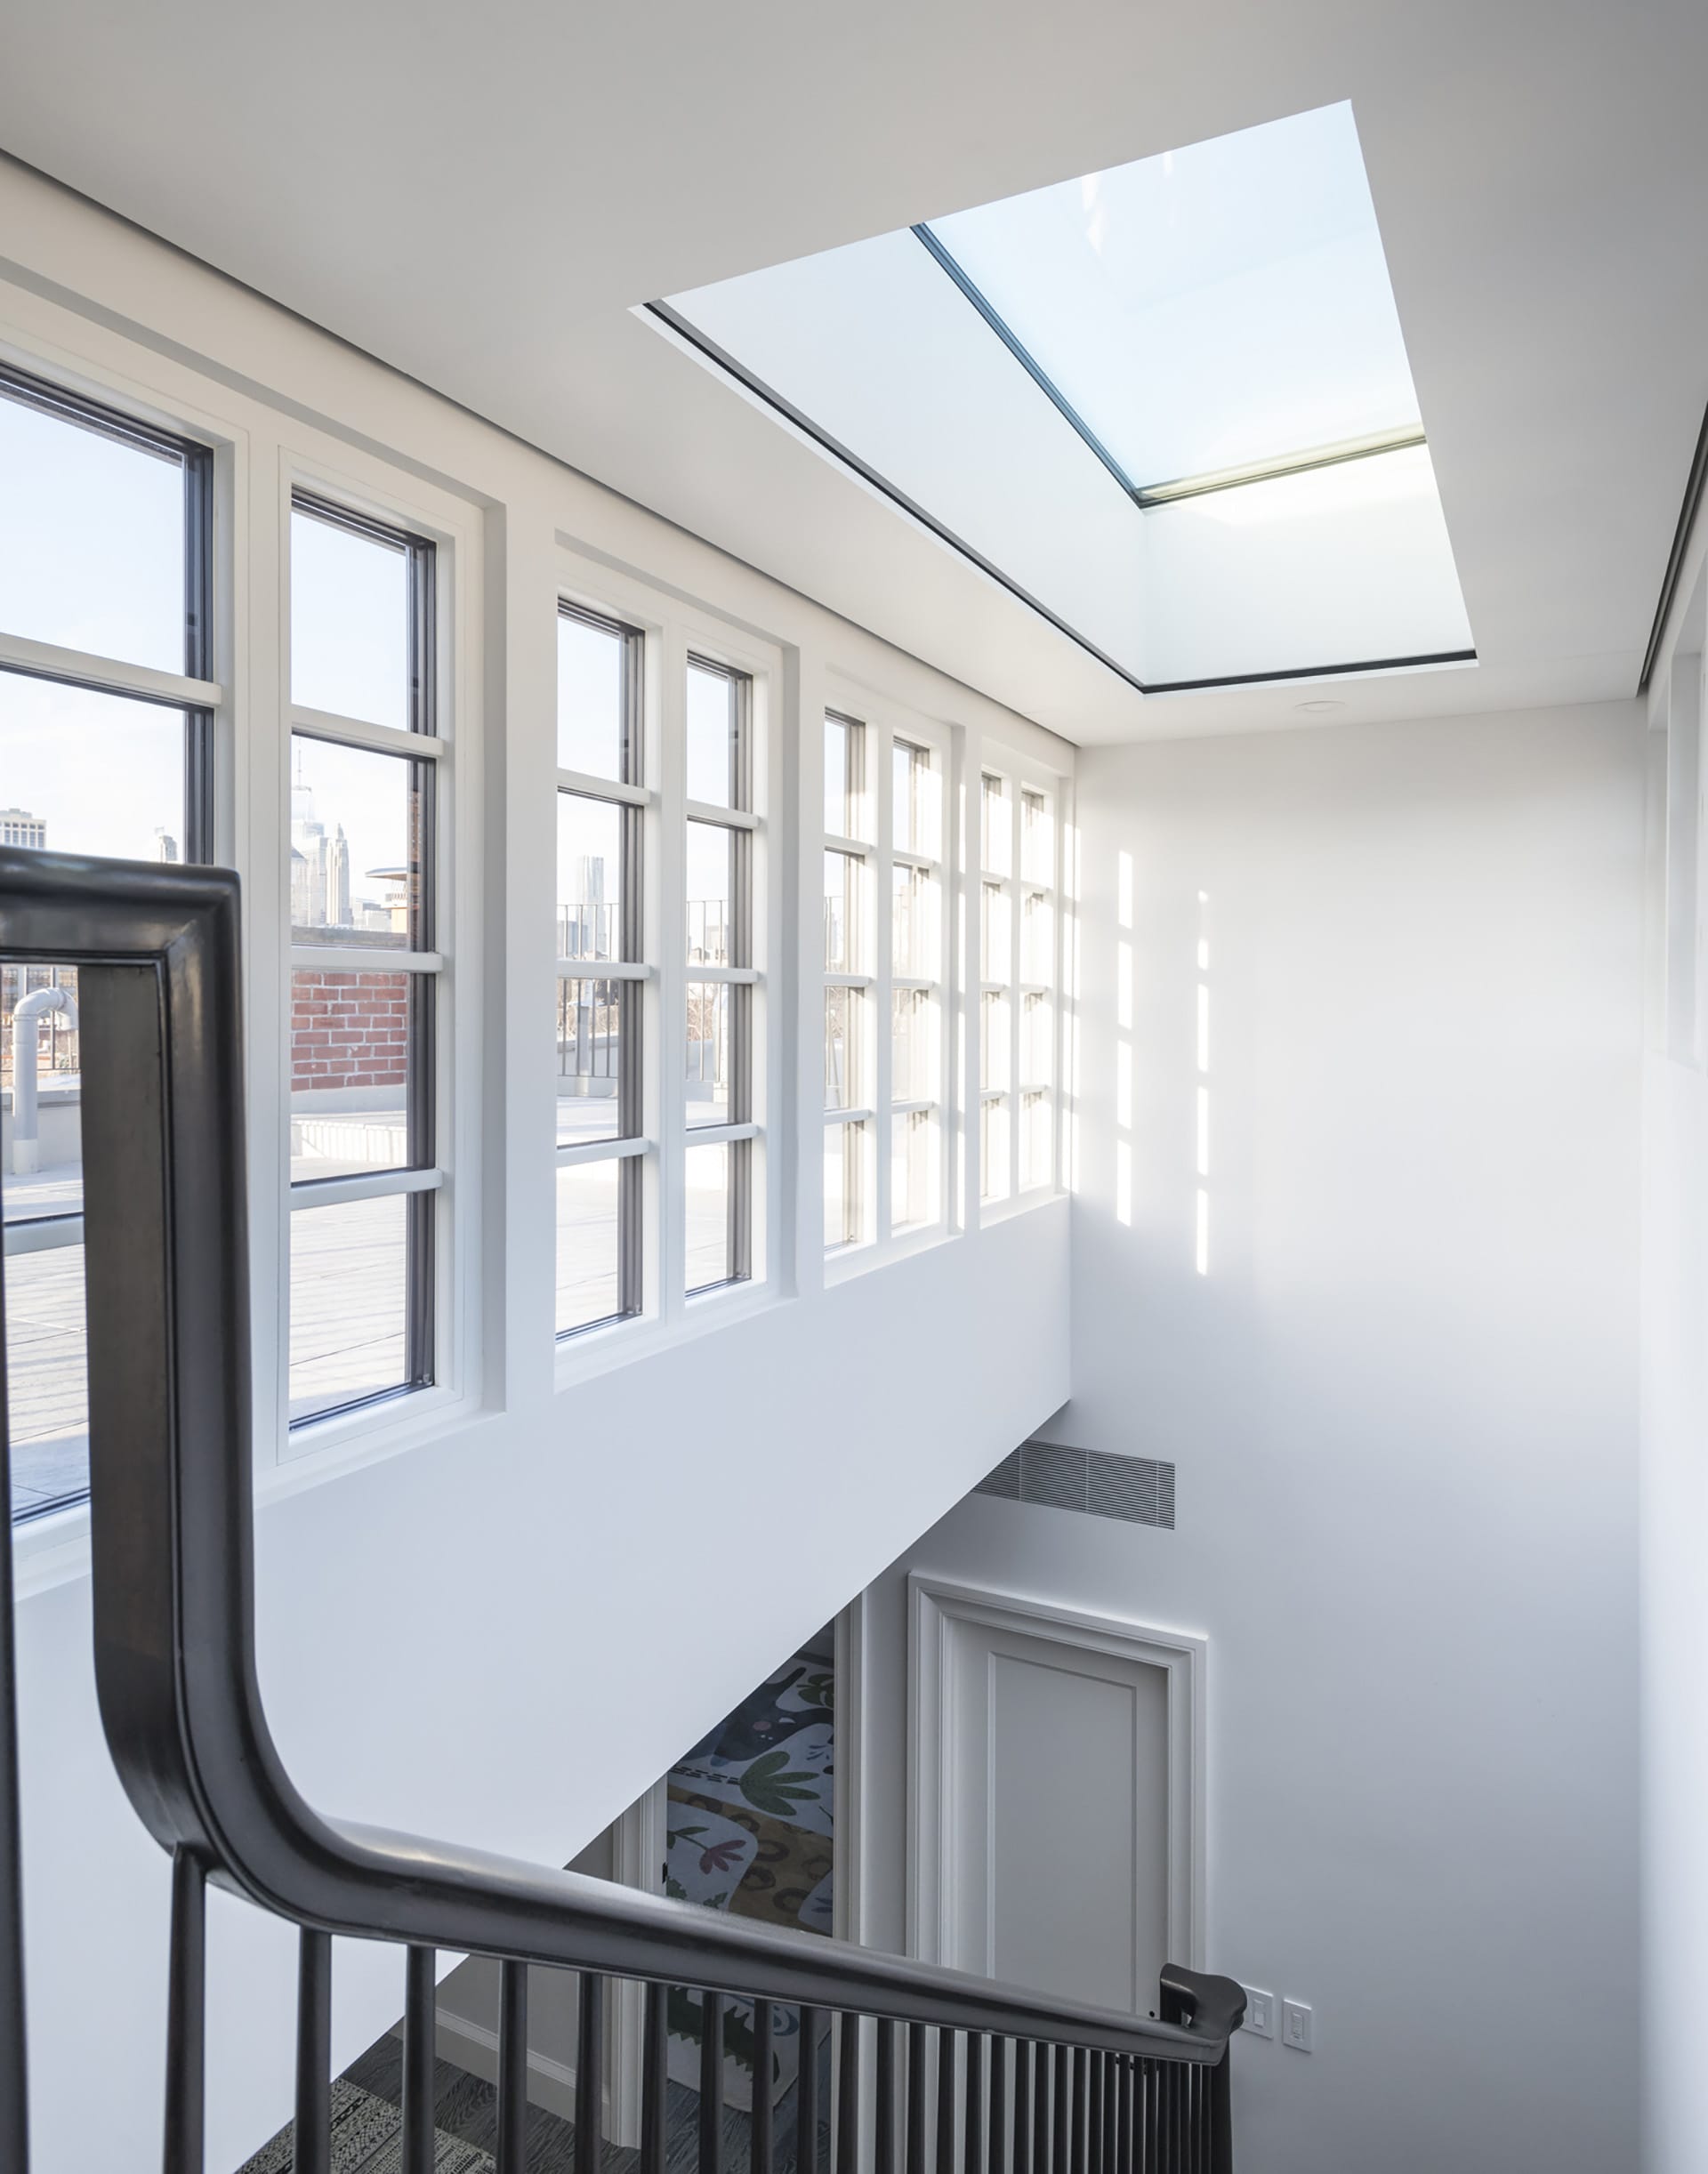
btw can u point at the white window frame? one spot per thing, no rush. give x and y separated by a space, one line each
673 631
883 724
1020 779
328 472
202 697
630 1145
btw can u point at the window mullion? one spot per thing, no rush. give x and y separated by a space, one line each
671 1076
884 963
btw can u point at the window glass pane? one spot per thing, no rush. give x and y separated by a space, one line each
350 623
589 1243
914 1196
845 1067
593 698
913 922
41 1168
712 715
844 936
996 933
1037 937
913 1046
845 1186
837 733
87 773
591 1017
1038 839
349 1070
356 867
349 1303
992 1149
47 1388
91 541
590 871
995 827
711 895
993 1056
710 1255
1037 1042
710 1004
914 815
1034 1140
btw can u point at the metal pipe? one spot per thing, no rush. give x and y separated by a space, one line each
26 1146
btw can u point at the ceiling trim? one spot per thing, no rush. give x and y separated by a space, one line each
1695 484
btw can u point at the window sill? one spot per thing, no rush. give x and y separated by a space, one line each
848 1262
50 1550
991 1211
620 1343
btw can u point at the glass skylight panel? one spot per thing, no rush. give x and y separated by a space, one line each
1208 308
1034 379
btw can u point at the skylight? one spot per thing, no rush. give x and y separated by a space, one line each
1168 406
1215 308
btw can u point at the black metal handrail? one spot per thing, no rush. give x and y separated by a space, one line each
171 1488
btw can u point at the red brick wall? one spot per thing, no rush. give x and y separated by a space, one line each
348 1030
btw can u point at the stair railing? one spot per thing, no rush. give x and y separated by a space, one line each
980 2078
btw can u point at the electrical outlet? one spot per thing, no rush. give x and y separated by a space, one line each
1298 2025
1260 2012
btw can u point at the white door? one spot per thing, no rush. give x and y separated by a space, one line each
1062 1844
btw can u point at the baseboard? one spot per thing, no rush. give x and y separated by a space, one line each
471 2047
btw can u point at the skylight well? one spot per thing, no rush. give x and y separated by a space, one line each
1169 405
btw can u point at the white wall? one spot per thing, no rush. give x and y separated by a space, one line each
1401 1405
502 1626
1675 1405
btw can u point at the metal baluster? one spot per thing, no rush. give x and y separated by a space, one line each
655 2054
1094 2112
973 2148
186 2016
711 2085
14 2095
1222 2116
918 2060
1081 2063
1062 2146
946 2101
996 2130
512 2068
806 2098
590 2071
884 2157
1123 2115
848 2095
760 2137
1171 2118
1021 2156
312 2138
1040 2163
420 2030
1111 2114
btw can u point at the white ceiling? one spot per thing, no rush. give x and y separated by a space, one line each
480 197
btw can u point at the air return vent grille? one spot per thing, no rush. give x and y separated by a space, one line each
1137 1490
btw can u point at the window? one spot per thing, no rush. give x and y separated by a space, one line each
107 748
1017 979
600 970
367 986
720 978
883 1010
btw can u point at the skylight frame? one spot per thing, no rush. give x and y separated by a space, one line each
1175 488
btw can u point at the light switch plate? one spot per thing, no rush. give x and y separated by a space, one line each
1298 2025
1260 2012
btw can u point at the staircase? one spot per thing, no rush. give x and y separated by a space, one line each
901 2064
